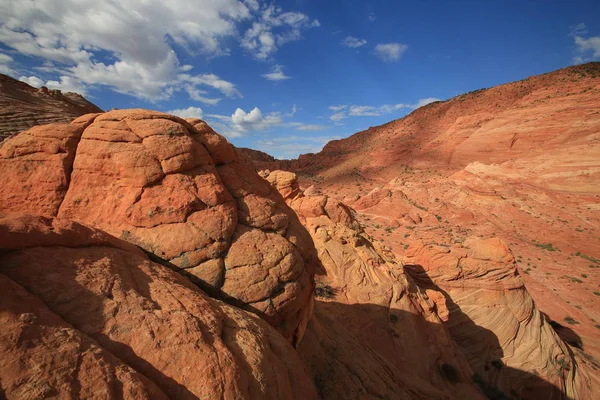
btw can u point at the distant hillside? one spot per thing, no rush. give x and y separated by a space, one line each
23 106
256 156
538 116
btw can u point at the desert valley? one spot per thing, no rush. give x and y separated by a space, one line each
450 254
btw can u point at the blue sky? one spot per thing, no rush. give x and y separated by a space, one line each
285 77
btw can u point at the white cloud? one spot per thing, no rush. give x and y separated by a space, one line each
305 127
293 146
424 102
5 61
128 45
200 95
32 81
352 42
390 52
65 84
190 112
213 81
589 49
578 30
254 120
273 29
276 74
345 111
338 116
372 17
241 122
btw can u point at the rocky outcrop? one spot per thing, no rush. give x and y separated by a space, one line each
462 315
23 106
256 156
373 329
179 191
492 317
86 315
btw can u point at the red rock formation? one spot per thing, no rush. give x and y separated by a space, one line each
518 161
517 121
23 106
181 195
473 288
86 315
255 156
179 191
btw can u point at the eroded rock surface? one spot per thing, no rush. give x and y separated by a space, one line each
86 315
373 329
462 316
179 191
493 318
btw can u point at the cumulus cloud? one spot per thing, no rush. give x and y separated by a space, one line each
587 48
254 120
273 29
190 112
129 46
64 84
345 111
390 52
32 81
352 42
276 74
241 122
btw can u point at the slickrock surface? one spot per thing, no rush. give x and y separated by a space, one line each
86 315
179 191
23 106
493 318
470 307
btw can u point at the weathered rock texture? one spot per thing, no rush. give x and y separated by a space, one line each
373 329
465 318
179 191
493 318
518 161
23 106
86 315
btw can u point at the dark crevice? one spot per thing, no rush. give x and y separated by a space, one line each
69 167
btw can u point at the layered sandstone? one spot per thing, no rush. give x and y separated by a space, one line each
518 161
23 106
484 325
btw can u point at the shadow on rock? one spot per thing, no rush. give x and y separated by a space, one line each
483 349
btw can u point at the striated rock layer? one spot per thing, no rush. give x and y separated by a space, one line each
86 315
179 191
461 317
23 106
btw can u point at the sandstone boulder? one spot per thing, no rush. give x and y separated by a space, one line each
86 315
178 190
